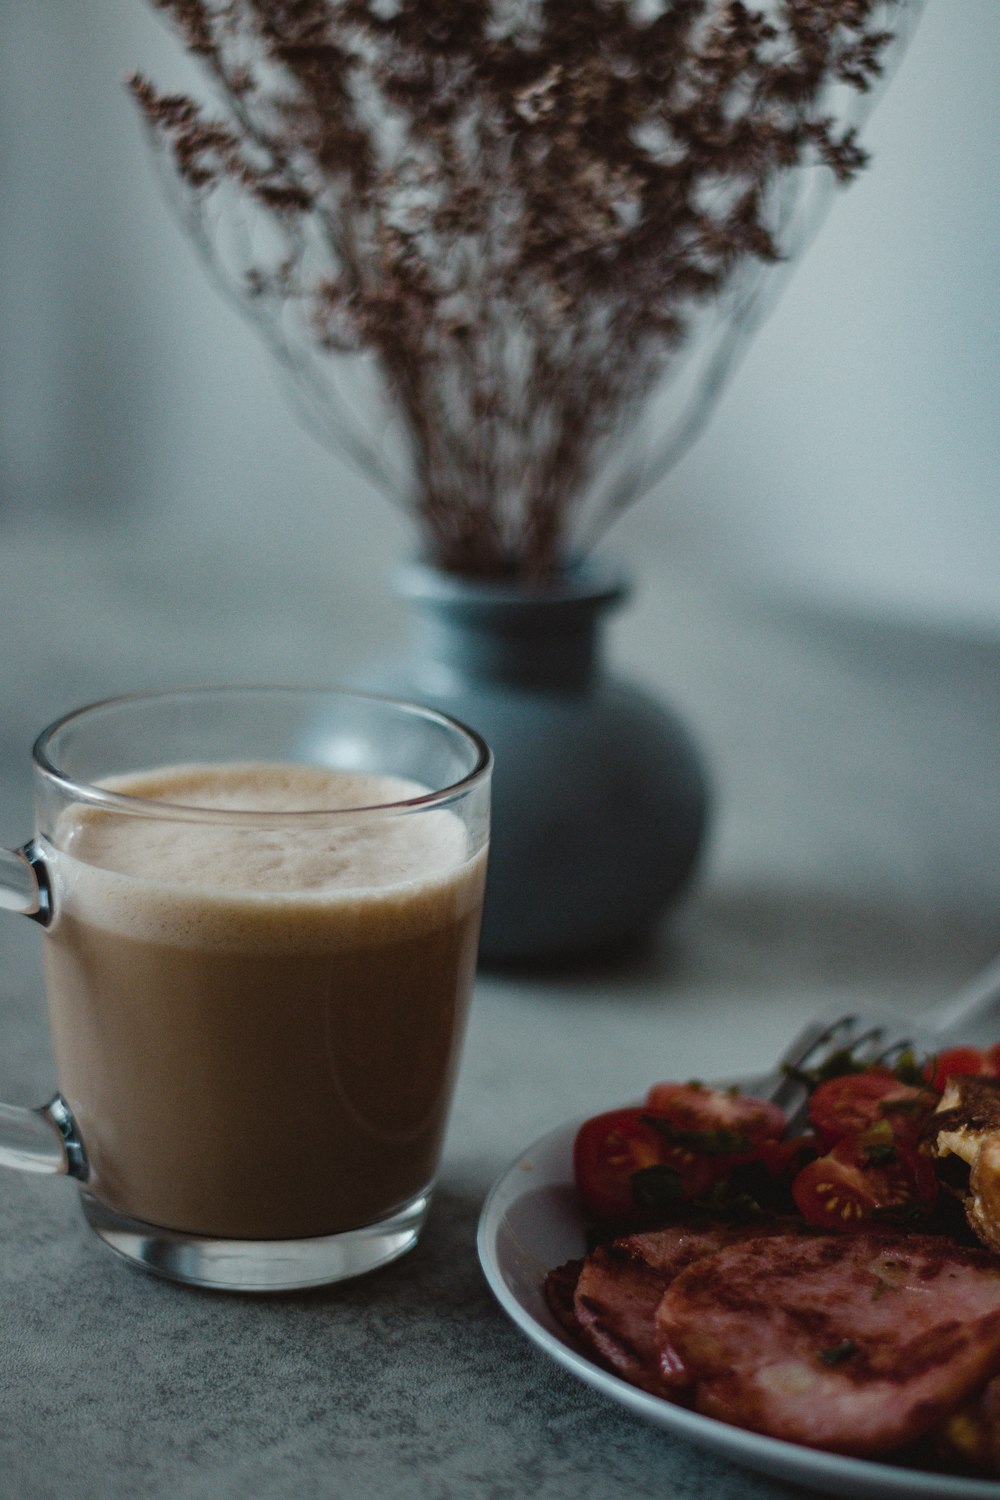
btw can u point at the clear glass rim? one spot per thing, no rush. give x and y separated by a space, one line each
94 795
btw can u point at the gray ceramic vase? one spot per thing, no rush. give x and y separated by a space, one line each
599 795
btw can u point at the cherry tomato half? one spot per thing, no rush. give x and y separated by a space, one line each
861 1183
958 1061
784 1159
696 1107
610 1149
854 1102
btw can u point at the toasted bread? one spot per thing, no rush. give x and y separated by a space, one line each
966 1127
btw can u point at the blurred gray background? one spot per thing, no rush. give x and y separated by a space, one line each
853 459
164 520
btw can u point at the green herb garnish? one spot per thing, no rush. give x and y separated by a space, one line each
880 1154
656 1188
911 1069
721 1142
839 1352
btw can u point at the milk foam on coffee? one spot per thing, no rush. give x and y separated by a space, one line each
235 884
257 1021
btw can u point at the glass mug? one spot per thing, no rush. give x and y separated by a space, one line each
261 911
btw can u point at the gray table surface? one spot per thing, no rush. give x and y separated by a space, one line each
854 860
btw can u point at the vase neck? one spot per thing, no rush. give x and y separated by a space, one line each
545 638
490 654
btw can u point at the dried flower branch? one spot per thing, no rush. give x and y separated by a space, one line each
514 208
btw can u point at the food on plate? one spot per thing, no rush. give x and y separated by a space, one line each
854 1102
964 1132
955 1061
864 1181
688 1147
624 1163
970 1438
857 1346
617 1289
821 1287
697 1107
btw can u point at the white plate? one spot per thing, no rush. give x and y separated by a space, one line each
531 1222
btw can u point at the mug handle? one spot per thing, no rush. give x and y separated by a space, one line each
35 1140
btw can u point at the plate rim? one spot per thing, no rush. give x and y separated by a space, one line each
835 1473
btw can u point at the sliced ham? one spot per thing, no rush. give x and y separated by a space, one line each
618 1290
558 1290
855 1344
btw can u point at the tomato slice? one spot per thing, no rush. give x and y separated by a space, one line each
955 1062
863 1182
784 1159
624 1166
710 1111
855 1102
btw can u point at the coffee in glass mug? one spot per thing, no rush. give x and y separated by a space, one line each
261 912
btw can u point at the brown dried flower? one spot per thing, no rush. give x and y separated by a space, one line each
513 208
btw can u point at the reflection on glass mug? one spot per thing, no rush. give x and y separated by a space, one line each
261 911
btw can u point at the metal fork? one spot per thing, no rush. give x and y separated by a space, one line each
872 1037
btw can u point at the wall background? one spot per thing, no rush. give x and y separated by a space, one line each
852 462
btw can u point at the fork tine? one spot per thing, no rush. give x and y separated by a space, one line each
891 1054
873 1039
818 1039
865 1046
